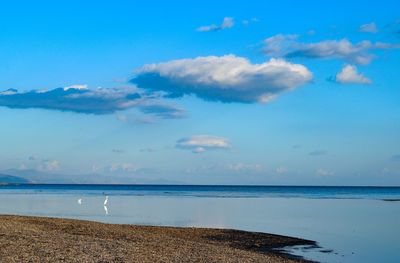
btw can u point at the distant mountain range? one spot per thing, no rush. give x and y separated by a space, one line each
38 177
9 179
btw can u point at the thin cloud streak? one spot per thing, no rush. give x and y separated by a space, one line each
202 143
228 22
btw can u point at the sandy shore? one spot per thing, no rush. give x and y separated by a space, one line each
33 239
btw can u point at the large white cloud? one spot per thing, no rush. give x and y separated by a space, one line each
227 78
349 75
202 143
289 46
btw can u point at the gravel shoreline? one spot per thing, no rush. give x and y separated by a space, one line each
38 239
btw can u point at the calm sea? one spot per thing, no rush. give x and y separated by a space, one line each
350 224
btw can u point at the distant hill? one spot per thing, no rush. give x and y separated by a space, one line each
40 177
9 179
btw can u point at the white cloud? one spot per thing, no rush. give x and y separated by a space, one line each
49 165
121 167
279 45
230 168
349 75
96 168
324 172
23 166
122 117
382 45
115 168
247 22
77 86
281 170
203 169
288 46
8 92
202 143
41 164
227 78
245 167
369 28
228 22
341 49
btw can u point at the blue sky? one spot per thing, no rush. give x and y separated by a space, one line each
255 92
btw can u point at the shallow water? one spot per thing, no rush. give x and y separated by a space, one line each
356 224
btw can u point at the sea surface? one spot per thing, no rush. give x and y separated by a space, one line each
350 224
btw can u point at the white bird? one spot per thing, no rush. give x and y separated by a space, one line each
106 200
80 201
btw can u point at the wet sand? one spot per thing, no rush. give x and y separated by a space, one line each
34 239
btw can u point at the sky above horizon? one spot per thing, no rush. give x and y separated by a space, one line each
255 92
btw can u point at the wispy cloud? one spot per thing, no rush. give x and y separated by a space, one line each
245 167
227 79
247 22
202 143
281 170
147 150
289 46
317 153
33 158
349 75
116 168
229 168
75 98
49 165
121 167
133 118
119 151
80 99
324 172
369 28
164 111
41 164
228 22
280 45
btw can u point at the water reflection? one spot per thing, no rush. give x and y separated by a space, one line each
105 205
106 210
355 230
